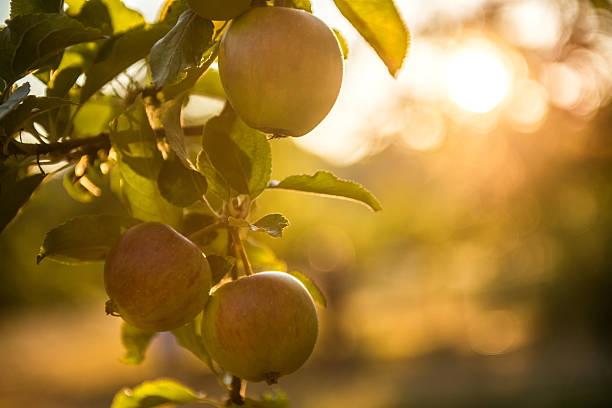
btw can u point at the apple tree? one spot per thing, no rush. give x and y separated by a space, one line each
184 257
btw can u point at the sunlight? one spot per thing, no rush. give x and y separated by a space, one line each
477 78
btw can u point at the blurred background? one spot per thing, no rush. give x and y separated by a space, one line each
485 281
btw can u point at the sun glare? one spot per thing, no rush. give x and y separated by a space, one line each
477 78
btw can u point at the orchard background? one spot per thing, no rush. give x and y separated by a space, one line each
484 281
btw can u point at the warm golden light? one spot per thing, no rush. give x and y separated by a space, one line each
477 78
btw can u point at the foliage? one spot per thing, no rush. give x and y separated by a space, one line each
116 88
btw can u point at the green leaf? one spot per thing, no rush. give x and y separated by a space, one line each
268 400
272 224
31 107
241 154
87 238
298 4
190 338
192 74
220 266
170 113
380 24
135 342
49 34
312 287
31 41
95 14
63 80
22 7
154 394
324 182
139 163
182 47
15 191
209 85
93 117
180 185
123 18
118 53
342 42
17 96
216 184
262 257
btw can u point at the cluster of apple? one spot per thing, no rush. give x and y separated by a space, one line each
281 70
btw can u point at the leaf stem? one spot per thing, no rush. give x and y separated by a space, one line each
205 230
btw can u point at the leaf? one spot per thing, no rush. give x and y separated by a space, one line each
154 394
324 182
342 42
135 342
31 107
220 266
209 85
216 184
13 100
63 80
118 53
182 47
192 74
31 41
86 238
22 7
15 192
298 4
262 257
94 13
380 24
93 117
241 155
312 287
273 224
190 338
139 163
123 18
49 34
268 400
180 185
171 119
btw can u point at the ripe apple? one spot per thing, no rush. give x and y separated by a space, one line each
281 69
156 279
260 327
219 9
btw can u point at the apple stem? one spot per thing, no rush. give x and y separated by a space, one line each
248 269
236 391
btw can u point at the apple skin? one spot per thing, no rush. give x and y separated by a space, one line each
219 9
156 279
281 69
260 327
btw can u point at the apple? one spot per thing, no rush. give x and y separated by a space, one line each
260 327
219 9
281 69
156 279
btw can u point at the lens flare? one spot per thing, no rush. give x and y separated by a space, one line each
477 78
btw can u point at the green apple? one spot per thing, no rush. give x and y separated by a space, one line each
219 9
281 69
156 279
260 327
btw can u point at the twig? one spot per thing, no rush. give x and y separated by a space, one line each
248 269
236 391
